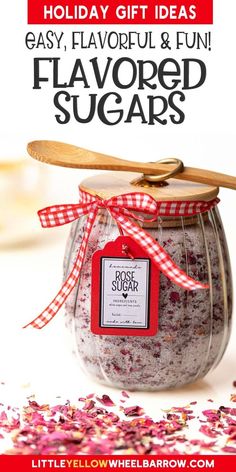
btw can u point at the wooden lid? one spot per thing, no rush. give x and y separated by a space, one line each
111 184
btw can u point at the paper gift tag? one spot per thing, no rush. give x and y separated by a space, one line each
125 290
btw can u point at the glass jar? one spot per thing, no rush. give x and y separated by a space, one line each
193 327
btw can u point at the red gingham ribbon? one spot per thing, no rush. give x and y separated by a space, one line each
121 209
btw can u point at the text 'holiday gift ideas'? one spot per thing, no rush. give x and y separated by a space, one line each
126 76
118 12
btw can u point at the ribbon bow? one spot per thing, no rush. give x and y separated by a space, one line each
121 209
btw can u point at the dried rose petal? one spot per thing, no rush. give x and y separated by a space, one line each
229 449
125 394
203 444
208 431
231 431
36 406
133 411
106 400
89 405
233 397
225 409
212 415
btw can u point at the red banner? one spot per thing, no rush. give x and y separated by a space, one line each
120 12
214 463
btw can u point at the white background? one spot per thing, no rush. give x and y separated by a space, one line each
31 274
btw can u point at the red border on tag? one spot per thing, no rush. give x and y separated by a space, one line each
114 249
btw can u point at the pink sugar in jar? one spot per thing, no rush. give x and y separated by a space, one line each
193 326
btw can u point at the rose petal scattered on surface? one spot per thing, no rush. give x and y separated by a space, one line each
106 400
89 405
133 411
212 415
229 449
89 428
233 397
208 431
203 445
125 394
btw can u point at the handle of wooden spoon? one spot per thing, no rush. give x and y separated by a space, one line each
208 177
67 155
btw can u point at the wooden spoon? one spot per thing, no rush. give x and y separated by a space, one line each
67 155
